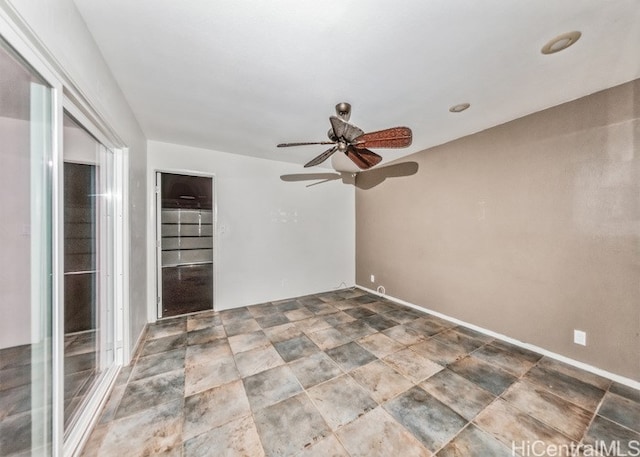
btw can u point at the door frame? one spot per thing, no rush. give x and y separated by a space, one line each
155 302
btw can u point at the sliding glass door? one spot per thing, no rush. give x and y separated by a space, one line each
62 283
26 267
88 266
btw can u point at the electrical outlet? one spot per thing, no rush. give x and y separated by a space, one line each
580 337
373 278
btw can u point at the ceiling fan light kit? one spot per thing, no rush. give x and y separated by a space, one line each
354 142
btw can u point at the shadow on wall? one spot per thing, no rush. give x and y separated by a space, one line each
372 178
318 177
363 180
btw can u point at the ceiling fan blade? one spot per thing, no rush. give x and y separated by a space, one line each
345 130
363 158
395 137
288 145
321 158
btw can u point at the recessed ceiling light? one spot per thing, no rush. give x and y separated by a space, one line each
561 42
459 108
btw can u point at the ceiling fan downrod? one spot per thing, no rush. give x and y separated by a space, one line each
343 110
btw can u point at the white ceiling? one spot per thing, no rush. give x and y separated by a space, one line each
241 76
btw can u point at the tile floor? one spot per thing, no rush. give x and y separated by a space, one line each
349 374
80 359
18 364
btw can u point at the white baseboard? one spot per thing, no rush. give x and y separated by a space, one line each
137 346
583 366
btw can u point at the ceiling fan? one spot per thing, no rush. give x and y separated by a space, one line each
354 143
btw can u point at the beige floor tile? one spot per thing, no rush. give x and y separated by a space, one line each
380 345
152 432
510 425
298 314
328 338
585 376
204 353
549 408
312 324
405 335
458 393
316 368
210 373
377 434
247 341
213 408
282 332
257 360
271 386
382 381
474 442
341 400
290 426
413 366
237 438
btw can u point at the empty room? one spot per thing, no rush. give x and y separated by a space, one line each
344 228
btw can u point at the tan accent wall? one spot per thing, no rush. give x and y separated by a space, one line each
530 229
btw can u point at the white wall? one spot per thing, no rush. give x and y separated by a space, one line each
15 202
79 147
275 239
59 26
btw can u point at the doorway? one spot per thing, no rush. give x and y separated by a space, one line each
184 241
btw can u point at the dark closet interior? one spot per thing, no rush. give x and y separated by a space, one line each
79 247
186 244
